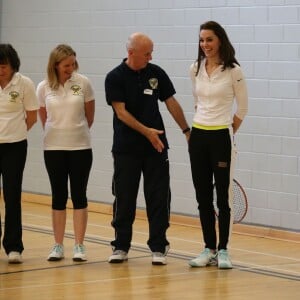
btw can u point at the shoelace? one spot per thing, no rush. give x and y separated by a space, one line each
205 253
223 255
57 248
80 248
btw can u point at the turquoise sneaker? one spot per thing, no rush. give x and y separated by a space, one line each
224 261
79 253
56 253
205 258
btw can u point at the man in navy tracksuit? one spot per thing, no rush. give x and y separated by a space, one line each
140 146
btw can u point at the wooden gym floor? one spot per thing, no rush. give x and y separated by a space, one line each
266 263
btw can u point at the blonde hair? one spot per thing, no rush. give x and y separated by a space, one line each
59 53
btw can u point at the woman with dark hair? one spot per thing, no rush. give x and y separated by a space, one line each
218 83
18 113
67 113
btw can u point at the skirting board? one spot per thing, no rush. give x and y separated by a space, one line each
106 208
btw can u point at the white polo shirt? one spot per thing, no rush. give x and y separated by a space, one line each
15 99
66 127
214 95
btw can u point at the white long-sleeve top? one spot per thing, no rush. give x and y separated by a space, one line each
214 95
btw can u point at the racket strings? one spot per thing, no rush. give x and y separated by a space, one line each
239 202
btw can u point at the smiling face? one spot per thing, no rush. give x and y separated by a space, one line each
141 56
9 63
140 48
210 44
65 68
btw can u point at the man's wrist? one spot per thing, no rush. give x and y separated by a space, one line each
188 129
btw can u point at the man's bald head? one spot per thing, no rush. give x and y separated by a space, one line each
137 39
139 49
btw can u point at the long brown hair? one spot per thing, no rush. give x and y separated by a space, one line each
227 52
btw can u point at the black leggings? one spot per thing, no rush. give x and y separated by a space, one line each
210 155
61 165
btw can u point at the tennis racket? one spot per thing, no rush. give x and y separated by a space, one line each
240 202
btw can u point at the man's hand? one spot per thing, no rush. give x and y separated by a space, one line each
150 133
153 136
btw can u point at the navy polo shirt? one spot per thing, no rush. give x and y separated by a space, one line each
140 91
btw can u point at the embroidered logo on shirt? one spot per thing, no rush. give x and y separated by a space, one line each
75 88
13 96
153 83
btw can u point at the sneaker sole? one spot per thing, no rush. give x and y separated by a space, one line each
195 265
55 258
116 261
224 267
79 259
158 263
15 262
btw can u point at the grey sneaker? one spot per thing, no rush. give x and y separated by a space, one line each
56 253
224 261
79 253
205 258
14 257
118 256
159 258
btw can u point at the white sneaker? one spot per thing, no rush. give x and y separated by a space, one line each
205 258
224 261
57 253
14 257
159 258
118 256
79 253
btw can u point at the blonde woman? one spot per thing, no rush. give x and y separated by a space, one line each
67 109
